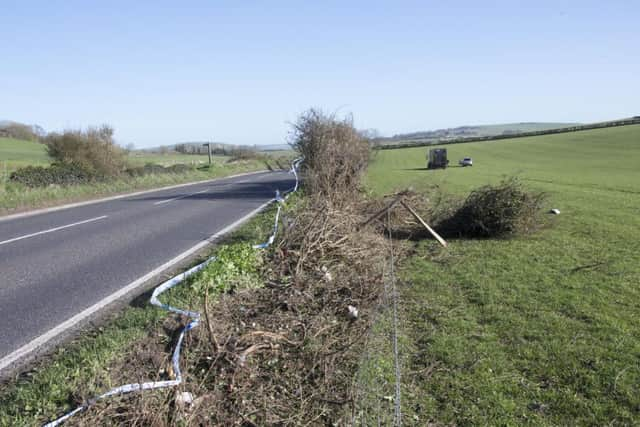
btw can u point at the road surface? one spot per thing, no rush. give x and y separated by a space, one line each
66 263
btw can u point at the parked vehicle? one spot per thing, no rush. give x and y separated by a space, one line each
437 158
467 161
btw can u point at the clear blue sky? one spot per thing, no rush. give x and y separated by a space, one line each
238 71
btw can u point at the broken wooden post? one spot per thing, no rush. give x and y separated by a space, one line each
381 212
431 230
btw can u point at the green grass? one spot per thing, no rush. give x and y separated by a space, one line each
537 330
15 154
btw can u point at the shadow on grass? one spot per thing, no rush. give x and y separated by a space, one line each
427 169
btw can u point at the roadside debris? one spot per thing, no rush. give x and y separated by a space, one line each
352 312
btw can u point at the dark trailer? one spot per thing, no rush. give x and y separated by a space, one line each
437 158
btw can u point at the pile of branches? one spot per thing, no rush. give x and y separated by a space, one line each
286 354
505 209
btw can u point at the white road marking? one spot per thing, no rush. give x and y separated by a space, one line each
51 230
69 323
179 197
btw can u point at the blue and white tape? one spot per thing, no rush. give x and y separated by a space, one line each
194 317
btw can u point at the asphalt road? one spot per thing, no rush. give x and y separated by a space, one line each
55 265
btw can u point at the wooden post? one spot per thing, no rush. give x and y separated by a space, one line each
431 230
380 212
208 144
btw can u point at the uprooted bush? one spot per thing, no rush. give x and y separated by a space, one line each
501 210
56 174
335 153
93 149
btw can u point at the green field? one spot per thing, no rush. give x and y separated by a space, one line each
537 330
15 154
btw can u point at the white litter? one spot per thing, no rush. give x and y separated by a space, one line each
352 312
184 399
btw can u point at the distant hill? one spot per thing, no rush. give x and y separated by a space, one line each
493 132
478 131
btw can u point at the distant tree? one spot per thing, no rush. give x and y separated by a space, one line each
19 131
38 131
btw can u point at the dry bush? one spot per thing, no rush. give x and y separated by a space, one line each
93 149
501 210
335 154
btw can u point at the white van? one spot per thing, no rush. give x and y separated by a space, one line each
467 161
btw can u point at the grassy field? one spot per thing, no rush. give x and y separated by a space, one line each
537 330
15 154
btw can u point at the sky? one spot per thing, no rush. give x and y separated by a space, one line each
242 71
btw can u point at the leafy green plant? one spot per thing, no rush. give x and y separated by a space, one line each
236 265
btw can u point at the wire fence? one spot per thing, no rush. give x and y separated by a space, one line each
396 353
378 384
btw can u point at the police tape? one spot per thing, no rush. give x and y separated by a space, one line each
194 317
